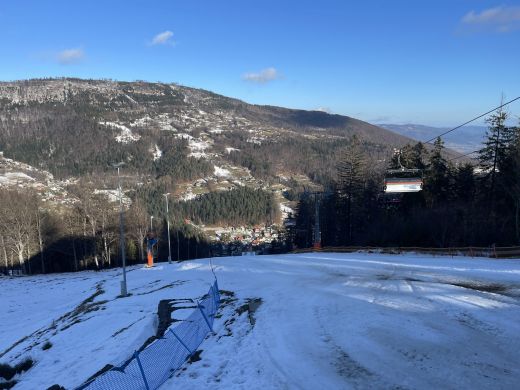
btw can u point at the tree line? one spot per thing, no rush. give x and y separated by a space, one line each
468 203
36 238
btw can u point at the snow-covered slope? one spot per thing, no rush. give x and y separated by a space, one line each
15 174
308 321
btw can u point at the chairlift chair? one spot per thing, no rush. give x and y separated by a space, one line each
403 179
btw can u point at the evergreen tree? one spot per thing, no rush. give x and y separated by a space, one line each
464 183
493 155
437 181
350 186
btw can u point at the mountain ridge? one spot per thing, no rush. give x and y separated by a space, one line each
185 140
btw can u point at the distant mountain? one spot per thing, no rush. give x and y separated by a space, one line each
464 140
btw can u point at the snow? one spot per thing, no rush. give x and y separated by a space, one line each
198 155
326 321
129 98
10 178
255 140
157 153
198 147
126 135
184 136
230 149
286 210
144 121
20 175
188 195
221 172
113 196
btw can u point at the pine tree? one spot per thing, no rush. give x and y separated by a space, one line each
350 186
464 183
493 155
510 177
436 184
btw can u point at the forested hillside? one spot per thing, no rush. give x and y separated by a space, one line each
222 164
462 203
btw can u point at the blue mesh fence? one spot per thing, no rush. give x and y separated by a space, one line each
151 367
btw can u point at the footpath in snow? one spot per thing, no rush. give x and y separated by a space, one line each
306 321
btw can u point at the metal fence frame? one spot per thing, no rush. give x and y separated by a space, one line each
151 367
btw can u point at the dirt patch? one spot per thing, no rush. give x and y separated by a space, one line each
7 372
250 306
47 345
477 286
170 285
195 357
165 310
127 327
56 387
349 368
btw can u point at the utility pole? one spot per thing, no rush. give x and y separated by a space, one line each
151 223
121 232
168 224
178 246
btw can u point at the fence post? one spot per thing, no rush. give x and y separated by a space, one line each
136 355
180 341
216 296
204 315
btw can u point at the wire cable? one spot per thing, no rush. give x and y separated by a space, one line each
474 119
458 127
463 155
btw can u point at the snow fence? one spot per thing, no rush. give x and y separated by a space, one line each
151 367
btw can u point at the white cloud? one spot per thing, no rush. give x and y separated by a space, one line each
501 19
262 77
163 38
70 56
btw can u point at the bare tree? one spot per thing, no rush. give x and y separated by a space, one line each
107 218
138 219
73 222
89 206
39 219
18 222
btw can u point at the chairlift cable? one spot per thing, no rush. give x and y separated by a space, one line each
458 127
463 155
472 120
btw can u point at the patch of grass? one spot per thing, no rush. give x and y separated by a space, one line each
250 307
227 293
56 387
492 288
195 357
8 372
7 385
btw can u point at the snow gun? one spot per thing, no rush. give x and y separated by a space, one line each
149 250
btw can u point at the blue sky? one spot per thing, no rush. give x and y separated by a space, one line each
438 62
